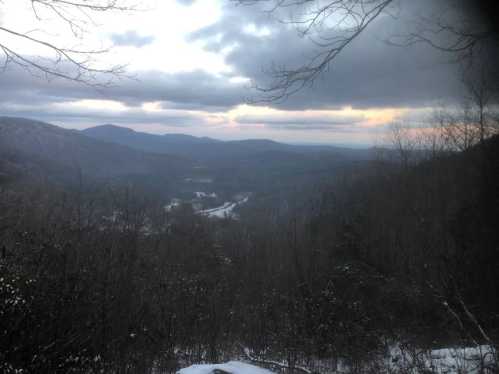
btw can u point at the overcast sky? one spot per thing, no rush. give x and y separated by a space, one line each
191 64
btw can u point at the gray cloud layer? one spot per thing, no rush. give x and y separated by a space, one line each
189 90
291 121
368 74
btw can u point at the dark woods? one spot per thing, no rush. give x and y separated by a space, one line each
101 279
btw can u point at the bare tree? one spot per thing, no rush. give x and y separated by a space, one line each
482 100
405 141
457 131
478 117
75 64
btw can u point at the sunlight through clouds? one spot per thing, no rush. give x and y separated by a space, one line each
190 66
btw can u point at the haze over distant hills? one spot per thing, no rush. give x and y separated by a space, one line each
143 141
28 145
208 149
170 164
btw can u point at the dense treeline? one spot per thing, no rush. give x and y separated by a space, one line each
96 278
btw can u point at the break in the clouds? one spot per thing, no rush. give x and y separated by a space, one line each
131 38
206 78
186 2
303 121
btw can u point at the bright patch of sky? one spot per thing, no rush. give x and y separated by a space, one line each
166 23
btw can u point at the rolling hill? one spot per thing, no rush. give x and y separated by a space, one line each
28 146
215 151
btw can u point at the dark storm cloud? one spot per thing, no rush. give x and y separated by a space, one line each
369 73
131 39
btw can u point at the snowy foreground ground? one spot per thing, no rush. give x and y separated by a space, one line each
473 360
469 360
234 367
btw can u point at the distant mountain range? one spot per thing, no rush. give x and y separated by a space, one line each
144 141
208 149
28 146
34 148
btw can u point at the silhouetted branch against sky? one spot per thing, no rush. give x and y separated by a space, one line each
55 59
331 26
461 29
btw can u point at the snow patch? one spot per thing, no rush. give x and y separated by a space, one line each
173 204
225 210
198 180
469 360
200 194
233 367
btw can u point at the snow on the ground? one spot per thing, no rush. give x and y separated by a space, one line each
222 211
173 204
234 367
225 210
468 360
464 360
200 194
198 180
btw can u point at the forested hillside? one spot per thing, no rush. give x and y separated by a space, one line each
39 143
102 277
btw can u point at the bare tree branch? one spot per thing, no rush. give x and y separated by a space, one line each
331 27
74 64
457 32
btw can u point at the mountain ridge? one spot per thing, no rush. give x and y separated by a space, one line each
37 143
209 149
